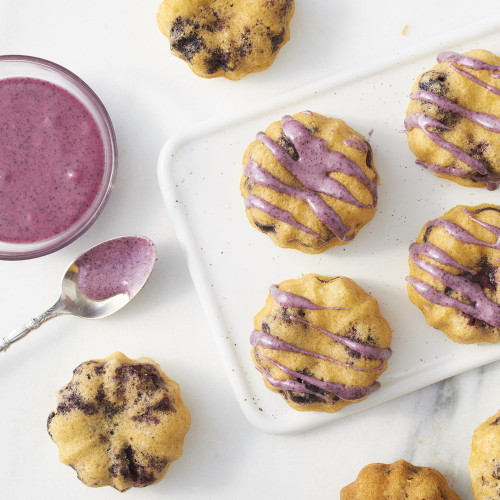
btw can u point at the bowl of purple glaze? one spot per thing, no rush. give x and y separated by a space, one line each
58 157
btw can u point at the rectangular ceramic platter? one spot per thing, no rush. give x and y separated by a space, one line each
232 264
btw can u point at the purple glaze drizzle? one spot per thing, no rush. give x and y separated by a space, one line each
469 62
312 168
345 392
479 306
485 120
356 143
266 340
288 299
363 349
423 122
121 265
269 342
252 201
52 160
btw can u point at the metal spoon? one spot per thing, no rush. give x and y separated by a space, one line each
98 283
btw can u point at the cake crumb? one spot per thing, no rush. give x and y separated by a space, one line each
405 30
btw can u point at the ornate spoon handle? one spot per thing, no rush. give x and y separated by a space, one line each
31 325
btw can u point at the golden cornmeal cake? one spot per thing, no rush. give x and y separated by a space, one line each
309 182
320 342
484 463
229 38
119 422
398 481
453 120
454 273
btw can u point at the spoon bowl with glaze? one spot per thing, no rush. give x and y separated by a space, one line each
98 283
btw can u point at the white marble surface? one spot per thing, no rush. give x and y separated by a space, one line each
116 48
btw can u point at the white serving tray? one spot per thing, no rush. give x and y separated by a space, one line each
232 264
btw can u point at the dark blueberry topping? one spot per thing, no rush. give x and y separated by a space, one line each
164 405
218 59
75 402
448 118
130 468
435 82
477 151
146 418
265 228
145 377
101 395
485 277
110 410
352 354
286 144
184 40
245 47
302 397
427 233
478 323
189 45
285 316
277 40
100 369
369 158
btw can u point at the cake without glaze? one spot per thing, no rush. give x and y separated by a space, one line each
484 463
119 422
320 342
229 38
309 182
454 273
398 481
453 120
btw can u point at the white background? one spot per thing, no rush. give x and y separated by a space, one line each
117 49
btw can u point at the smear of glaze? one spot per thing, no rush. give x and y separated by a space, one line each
312 168
121 265
476 304
485 120
303 383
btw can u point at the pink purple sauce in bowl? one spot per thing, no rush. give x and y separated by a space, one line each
57 157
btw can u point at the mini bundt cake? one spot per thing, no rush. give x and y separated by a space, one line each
484 462
320 342
398 481
454 273
119 422
229 38
453 120
309 182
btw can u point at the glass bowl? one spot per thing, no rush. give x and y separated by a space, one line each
26 67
